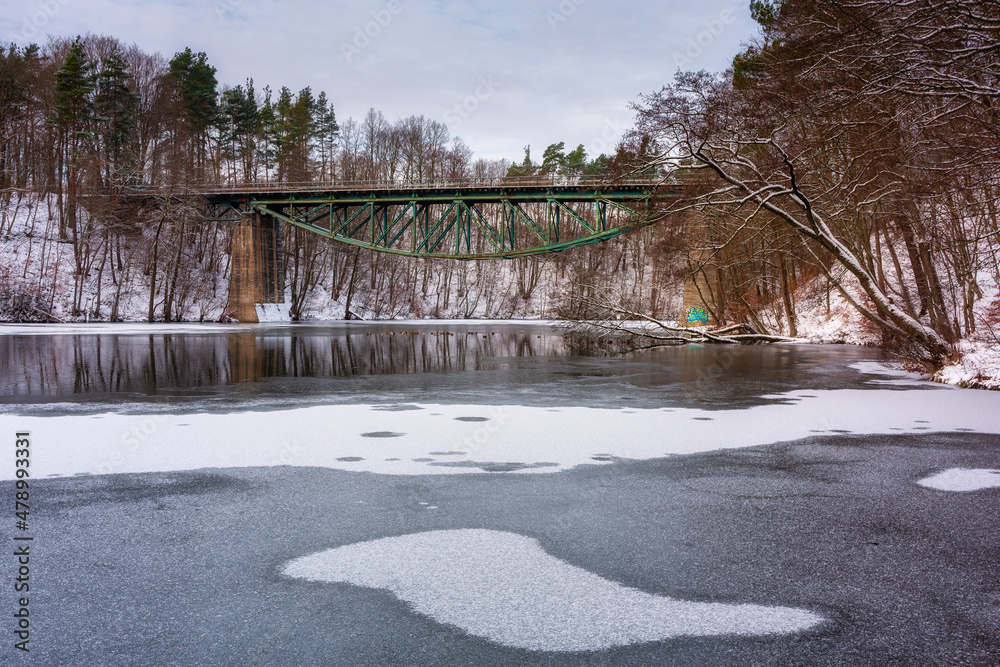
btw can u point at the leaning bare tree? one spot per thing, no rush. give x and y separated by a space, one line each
859 125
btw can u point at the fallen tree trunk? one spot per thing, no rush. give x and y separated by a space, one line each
664 334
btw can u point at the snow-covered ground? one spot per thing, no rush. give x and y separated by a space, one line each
35 263
979 366
978 363
831 319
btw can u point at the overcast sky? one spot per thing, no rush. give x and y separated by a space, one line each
502 73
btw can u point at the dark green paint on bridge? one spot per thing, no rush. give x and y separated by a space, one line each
453 219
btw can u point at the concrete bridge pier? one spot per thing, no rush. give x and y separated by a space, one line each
700 291
257 277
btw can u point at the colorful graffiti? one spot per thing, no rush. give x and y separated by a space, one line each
697 316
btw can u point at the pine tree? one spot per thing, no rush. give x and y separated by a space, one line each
240 127
116 107
297 130
301 133
598 166
74 118
554 158
575 161
279 131
75 84
327 132
197 103
268 134
526 168
14 98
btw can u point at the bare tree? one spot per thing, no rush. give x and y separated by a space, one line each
867 128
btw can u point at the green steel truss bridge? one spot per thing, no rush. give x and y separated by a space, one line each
451 219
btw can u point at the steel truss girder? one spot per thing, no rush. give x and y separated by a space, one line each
453 226
217 212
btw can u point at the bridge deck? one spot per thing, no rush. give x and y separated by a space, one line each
448 218
418 188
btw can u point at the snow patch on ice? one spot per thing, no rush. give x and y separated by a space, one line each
520 439
963 480
506 588
897 376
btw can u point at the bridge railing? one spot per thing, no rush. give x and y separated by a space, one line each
533 182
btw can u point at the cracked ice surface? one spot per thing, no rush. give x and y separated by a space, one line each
506 588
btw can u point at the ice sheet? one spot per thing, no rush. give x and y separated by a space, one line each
450 439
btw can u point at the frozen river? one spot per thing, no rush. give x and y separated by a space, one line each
489 493
215 367
432 398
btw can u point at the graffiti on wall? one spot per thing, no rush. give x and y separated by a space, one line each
697 316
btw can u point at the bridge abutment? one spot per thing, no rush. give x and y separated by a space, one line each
700 288
257 277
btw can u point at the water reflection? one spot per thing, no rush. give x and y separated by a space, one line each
88 364
485 363
252 358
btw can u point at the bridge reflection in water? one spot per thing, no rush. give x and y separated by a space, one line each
253 357
213 368
48 367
